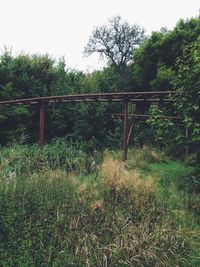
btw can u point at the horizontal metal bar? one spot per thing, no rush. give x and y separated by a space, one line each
145 116
120 97
84 101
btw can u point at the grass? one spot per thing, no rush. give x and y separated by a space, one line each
71 212
177 190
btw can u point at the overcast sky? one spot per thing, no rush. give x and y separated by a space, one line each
62 27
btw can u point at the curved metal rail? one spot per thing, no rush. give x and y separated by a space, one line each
153 96
125 97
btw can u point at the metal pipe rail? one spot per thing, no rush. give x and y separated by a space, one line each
145 116
153 96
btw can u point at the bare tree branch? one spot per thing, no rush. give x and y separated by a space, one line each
116 41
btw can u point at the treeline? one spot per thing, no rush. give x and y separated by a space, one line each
167 60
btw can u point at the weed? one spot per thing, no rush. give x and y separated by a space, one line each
65 215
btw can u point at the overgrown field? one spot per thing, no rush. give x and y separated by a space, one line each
63 207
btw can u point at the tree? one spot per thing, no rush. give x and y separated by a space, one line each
116 41
154 63
187 85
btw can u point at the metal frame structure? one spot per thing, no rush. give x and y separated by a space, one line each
141 117
124 97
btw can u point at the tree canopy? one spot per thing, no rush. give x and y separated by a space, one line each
116 40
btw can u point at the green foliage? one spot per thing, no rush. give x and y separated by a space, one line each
165 132
188 88
101 81
155 60
169 60
27 76
164 79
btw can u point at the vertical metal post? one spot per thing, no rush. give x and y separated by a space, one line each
125 146
130 132
186 146
41 132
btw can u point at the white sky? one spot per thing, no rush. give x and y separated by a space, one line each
62 27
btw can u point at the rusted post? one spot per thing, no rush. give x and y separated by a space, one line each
130 132
41 132
186 146
125 146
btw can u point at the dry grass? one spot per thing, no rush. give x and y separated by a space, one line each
113 219
145 234
116 175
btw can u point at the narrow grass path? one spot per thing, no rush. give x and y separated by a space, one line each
173 189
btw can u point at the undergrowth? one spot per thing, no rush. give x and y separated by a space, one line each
74 210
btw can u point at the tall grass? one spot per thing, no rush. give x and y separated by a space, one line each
65 214
68 155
